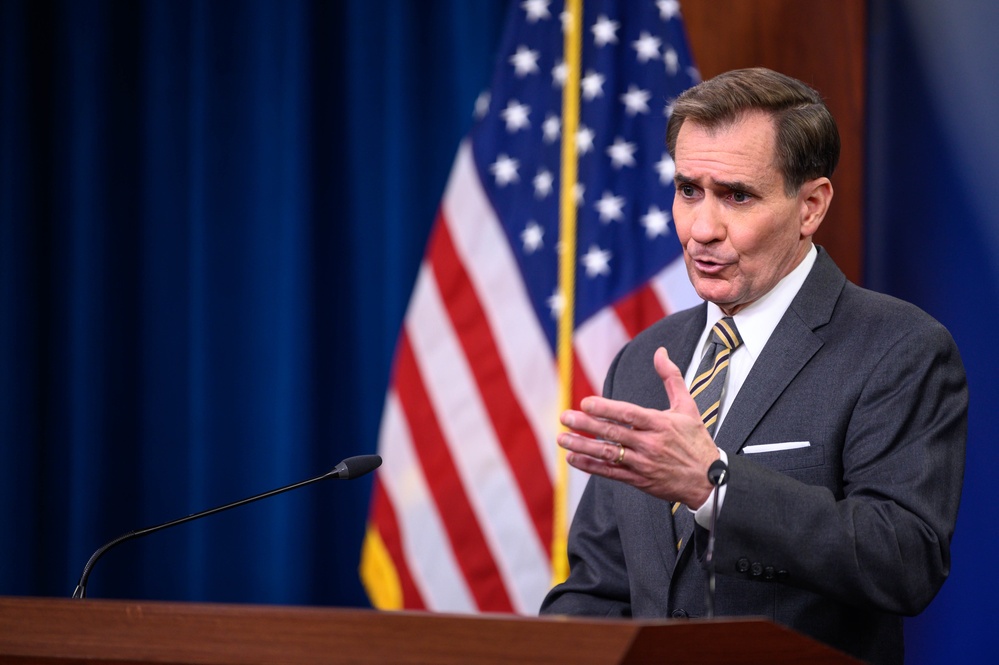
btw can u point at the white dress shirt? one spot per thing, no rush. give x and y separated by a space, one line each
756 322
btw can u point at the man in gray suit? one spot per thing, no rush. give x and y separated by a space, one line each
841 413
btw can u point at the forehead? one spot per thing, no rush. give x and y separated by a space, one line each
742 150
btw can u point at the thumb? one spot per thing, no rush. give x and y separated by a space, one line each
680 400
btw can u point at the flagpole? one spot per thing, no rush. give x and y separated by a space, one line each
567 269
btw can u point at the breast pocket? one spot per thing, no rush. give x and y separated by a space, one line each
786 455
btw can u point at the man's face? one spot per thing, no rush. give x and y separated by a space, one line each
741 233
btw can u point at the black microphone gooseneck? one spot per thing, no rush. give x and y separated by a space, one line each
352 467
717 476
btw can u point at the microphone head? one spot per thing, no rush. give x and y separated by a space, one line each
355 467
718 473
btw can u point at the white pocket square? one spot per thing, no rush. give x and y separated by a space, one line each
775 447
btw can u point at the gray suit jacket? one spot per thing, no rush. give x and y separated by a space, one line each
835 540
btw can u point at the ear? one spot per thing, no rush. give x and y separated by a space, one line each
815 197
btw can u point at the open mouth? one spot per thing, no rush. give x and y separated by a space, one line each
709 266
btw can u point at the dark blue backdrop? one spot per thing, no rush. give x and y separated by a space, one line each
211 216
933 238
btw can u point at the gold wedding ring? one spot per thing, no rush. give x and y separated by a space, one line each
620 455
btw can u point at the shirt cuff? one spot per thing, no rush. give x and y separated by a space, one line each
702 514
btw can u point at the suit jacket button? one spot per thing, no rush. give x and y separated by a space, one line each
782 574
757 569
679 614
768 573
742 565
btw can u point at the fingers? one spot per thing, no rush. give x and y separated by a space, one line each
676 389
659 452
591 423
632 416
593 456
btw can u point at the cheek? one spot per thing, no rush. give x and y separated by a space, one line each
765 252
681 224
759 239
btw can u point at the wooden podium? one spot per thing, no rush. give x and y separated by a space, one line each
61 631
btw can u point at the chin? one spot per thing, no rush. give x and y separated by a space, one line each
712 290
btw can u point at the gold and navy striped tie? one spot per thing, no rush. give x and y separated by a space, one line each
708 385
709 382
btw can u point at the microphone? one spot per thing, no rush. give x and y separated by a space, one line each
718 473
348 469
717 476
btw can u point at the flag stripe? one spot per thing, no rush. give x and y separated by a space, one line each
486 476
388 531
421 527
482 247
639 310
597 342
474 557
582 385
672 287
498 397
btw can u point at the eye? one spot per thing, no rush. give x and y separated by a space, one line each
685 190
741 197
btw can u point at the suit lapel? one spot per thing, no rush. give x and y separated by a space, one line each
791 346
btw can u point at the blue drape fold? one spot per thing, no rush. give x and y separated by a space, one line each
211 217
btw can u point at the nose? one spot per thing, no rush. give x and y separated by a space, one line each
706 223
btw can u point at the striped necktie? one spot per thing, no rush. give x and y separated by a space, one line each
709 382
708 387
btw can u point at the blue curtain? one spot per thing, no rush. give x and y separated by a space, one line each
933 239
211 216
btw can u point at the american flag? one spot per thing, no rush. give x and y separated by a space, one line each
462 516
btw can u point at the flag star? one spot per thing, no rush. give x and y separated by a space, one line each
610 208
482 104
605 31
556 303
505 170
668 9
578 193
551 128
656 222
584 139
666 169
593 85
525 61
596 261
516 116
647 47
668 109
559 73
636 100
536 10
543 183
622 153
533 237
672 61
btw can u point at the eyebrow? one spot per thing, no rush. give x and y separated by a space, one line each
731 185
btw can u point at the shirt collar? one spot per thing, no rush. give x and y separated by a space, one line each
757 321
